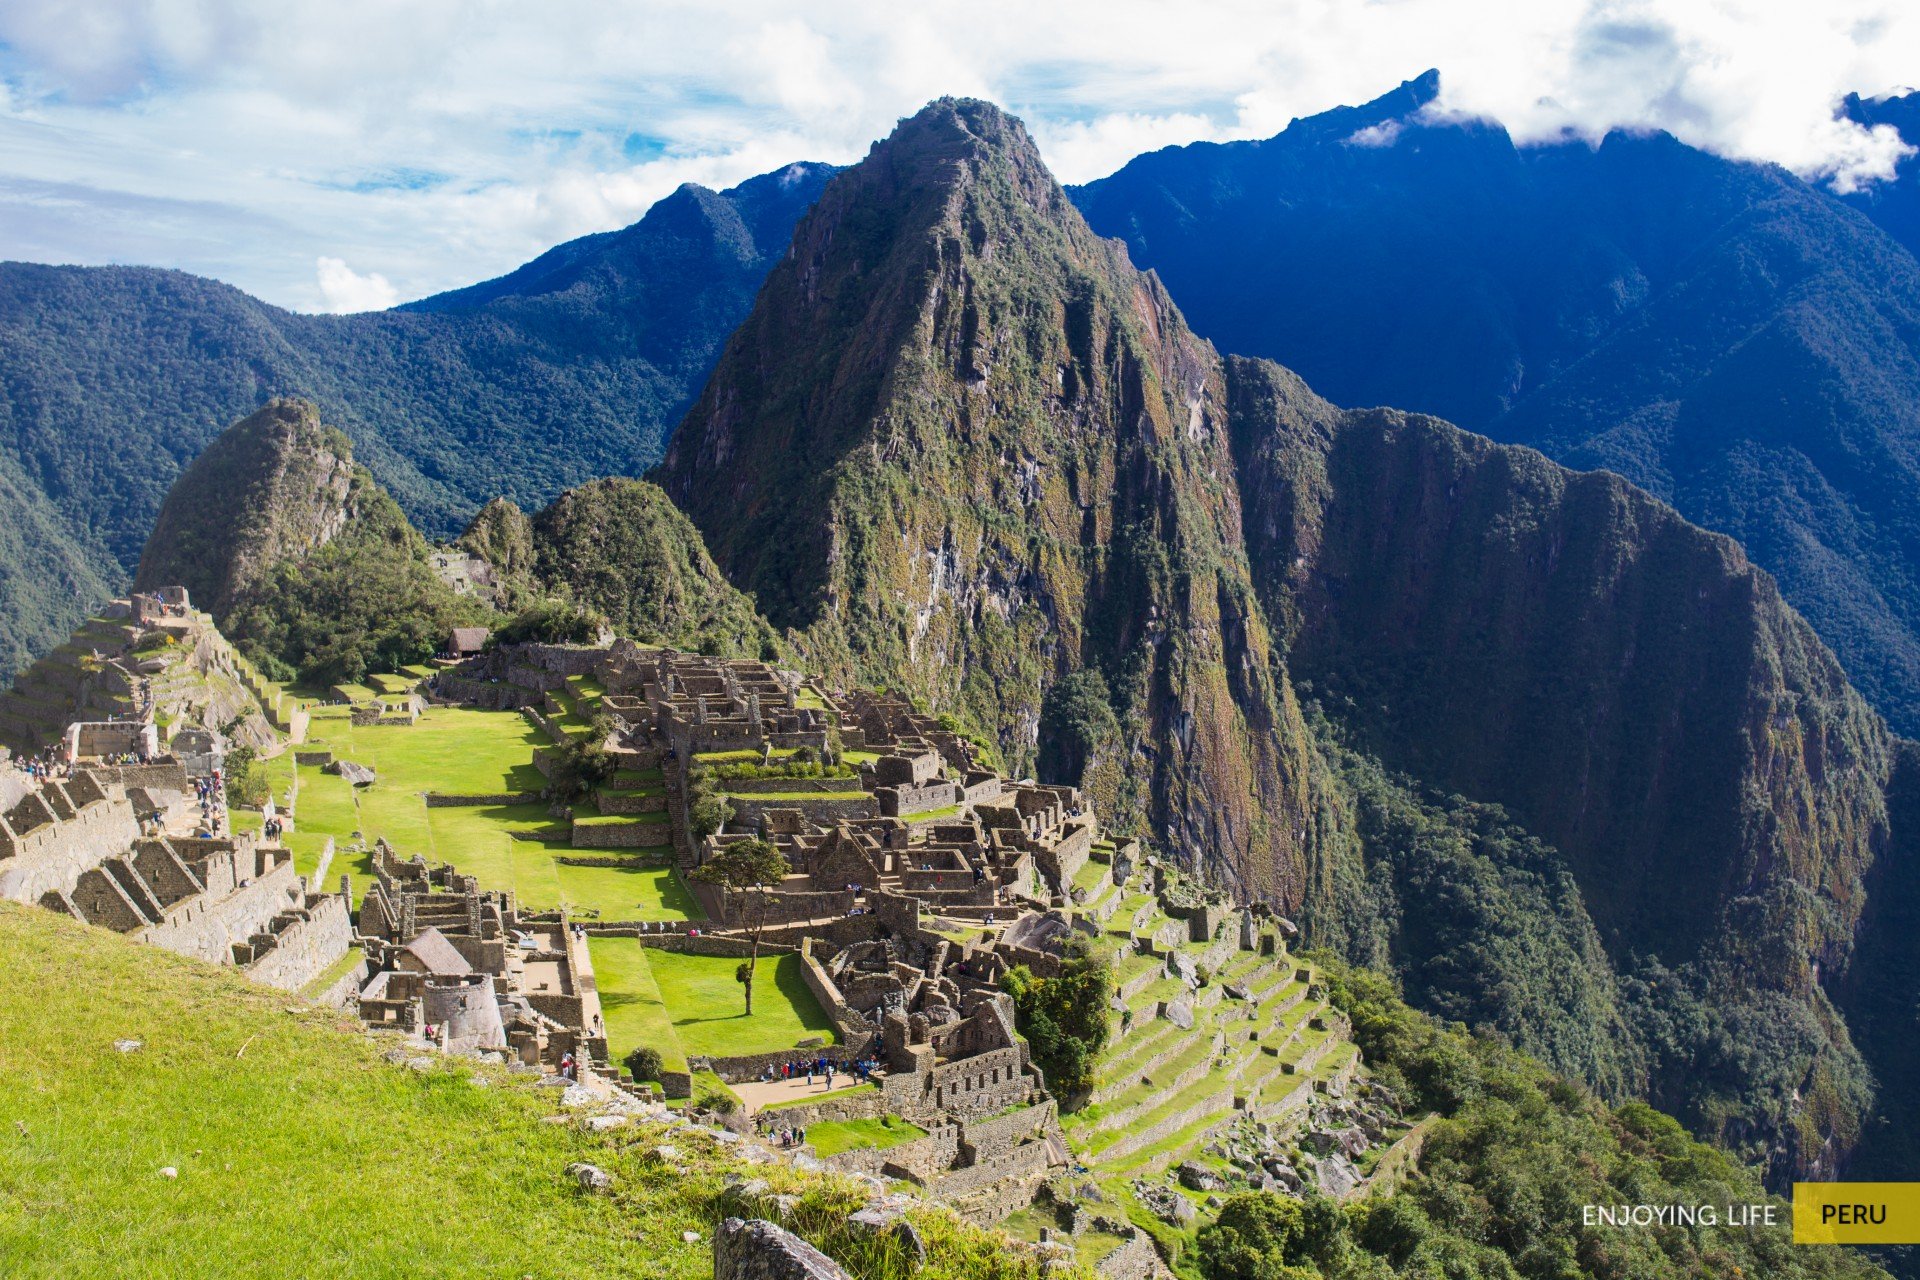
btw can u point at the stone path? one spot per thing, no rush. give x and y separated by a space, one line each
760 1094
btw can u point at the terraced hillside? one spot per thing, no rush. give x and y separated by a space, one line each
108 669
1216 1044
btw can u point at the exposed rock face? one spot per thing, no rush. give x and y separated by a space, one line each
964 448
272 487
760 1250
1626 684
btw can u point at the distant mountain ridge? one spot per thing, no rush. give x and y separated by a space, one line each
572 368
1723 334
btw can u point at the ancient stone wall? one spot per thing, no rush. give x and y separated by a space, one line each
42 852
622 835
306 946
208 926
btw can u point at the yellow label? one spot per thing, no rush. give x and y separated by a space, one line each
1856 1213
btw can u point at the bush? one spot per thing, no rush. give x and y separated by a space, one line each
645 1063
552 622
248 785
722 1104
1064 1019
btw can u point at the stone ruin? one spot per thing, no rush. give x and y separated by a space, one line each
447 955
114 855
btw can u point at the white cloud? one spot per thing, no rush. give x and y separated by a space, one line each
347 290
435 142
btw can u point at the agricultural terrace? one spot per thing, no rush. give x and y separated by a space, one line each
461 751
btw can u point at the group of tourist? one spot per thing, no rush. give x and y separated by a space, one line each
794 1136
859 1070
211 792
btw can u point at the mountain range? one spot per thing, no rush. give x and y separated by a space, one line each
1565 761
575 366
1728 337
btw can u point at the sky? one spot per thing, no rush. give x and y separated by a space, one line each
350 155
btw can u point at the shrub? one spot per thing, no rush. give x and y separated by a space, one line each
552 622
645 1063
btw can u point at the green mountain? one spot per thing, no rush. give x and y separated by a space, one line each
1733 340
623 550
302 558
573 367
1566 761
962 448
270 487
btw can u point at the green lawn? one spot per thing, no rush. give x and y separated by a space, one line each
635 780
831 1137
627 893
705 1006
630 1002
736 757
451 750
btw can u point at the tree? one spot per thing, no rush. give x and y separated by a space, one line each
749 868
1065 1019
707 810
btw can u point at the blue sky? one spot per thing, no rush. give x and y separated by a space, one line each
361 152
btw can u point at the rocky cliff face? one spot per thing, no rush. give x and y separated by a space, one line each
963 448
272 487
1628 686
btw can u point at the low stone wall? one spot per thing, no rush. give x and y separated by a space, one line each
313 759
905 800
436 800
1137 1259
757 786
745 1067
621 835
345 988
709 945
985 1140
1021 1162
868 1104
630 802
305 949
748 809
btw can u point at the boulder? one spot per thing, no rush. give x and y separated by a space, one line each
357 775
884 1218
761 1250
1197 1177
591 1177
1180 1013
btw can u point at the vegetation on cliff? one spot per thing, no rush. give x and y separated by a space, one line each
1503 1179
302 559
621 548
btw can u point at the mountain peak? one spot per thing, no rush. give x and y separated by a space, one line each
274 484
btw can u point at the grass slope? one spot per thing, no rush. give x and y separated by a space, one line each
300 1152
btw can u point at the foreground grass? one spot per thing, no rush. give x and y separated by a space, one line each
301 1152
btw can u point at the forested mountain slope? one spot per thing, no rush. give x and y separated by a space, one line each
1563 757
1733 340
572 368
